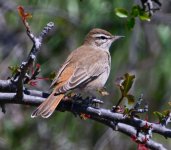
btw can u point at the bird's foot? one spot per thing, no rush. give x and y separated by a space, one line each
93 102
72 95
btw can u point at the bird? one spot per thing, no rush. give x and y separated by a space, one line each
86 69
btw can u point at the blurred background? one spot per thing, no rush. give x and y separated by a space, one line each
145 51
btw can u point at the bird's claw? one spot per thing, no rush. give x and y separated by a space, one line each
93 102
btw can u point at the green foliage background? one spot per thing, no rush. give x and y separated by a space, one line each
145 52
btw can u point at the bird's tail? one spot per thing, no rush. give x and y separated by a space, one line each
48 106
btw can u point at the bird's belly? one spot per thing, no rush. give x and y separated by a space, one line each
96 84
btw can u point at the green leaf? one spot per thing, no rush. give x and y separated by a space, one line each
121 12
52 76
166 113
135 11
14 69
127 83
159 115
131 23
130 98
126 111
144 16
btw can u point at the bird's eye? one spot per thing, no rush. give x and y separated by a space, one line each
101 37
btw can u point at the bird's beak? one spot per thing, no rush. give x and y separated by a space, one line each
116 37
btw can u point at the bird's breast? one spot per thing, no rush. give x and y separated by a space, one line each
97 83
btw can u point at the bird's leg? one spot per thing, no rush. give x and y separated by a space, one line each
76 99
90 102
71 94
93 102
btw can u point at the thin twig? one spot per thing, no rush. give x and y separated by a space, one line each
18 79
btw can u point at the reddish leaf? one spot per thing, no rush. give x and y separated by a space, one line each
21 11
32 83
38 65
142 147
23 14
84 116
133 138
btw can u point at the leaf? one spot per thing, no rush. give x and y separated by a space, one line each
130 98
21 11
144 16
131 23
135 11
159 115
142 147
84 116
127 83
14 69
166 113
23 14
52 75
126 111
121 12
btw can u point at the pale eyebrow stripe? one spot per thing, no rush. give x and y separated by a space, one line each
99 35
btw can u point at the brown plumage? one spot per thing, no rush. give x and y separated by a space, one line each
87 68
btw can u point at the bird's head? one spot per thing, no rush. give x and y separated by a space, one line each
100 38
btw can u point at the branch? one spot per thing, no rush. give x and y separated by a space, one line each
24 67
116 121
149 6
12 91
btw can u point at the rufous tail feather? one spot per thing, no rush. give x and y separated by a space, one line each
46 109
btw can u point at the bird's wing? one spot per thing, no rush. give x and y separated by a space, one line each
78 70
81 76
55 80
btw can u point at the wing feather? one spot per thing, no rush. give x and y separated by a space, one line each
78 71
82 76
